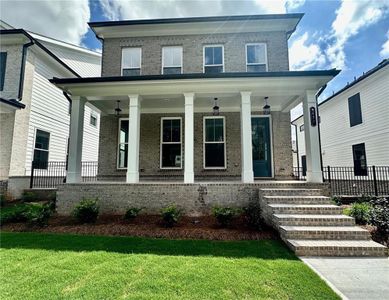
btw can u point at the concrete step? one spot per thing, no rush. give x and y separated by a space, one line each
291 192
315 209
313 220
336 248
324 233
297 200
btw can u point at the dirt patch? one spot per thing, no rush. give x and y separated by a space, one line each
150 226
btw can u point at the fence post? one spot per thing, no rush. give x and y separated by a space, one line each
329 173
32 175
375 182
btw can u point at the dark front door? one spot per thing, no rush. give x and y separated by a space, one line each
260 127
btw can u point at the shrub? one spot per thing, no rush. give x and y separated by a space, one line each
337 201
170 215
38 214
253 215
132 213
86 211
361 212
379 217
363 199
225 215
14 214
29 196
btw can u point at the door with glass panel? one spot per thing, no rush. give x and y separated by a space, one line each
260 130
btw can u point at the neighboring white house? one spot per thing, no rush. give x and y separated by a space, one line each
354 123
34 114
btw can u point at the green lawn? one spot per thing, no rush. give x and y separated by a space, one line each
53 266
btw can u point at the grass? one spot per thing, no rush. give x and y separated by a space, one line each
54 266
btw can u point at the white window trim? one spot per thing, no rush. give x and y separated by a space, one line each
162 143
224 142
204 65
256 64
33 145
118 143
182 59
140 60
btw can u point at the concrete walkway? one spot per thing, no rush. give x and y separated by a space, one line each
354 278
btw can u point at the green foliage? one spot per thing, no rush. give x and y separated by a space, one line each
170 215
225 215
379 217
38 214
29 196
33 213
86 211
361 212
253 215
14 214
132 213
337 201
346 211
363 199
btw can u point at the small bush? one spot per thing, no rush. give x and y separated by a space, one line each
379 217
364 199
14 214
132 213
337 201
38 214
170 215
29 196
361 212
253 215
86 211
225 215
347 211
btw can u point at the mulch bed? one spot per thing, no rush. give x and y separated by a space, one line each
150 226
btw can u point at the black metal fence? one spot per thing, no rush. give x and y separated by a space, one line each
373 181
53 173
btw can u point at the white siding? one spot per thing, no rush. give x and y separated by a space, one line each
50 112
337 137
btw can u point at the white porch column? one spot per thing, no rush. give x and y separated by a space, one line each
189 139
73 174
312 145
246 139
133 138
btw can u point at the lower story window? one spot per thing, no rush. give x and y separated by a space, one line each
41 149
171 143
123 143
214 143
360 163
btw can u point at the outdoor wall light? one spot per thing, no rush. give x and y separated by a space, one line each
118 109
266 108
215 108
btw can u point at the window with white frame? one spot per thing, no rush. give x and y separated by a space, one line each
172 60
256 57
131 61
41 149
171 144
213 59
214 143
93 120
123 143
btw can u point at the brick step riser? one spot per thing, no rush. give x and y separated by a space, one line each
310 211
298 201
333 235
292 193
315 222
334 251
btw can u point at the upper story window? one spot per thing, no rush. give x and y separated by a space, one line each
131 61
41 149
3 62
354 110
93 120
213 59
172 60
301 127
256 57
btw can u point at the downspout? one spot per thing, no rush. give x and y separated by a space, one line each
318 126
22 69
297 150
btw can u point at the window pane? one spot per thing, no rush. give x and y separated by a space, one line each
256 54
219 130
42 139
171 155
93 120
213 55
213 70
172 70
167 131
176 131
3 62
41 159
256 68
214 131
131 58
131 72
122 159
214 155
355 113
208 52
123 131
360 163
172 56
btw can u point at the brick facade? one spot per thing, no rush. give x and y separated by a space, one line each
149 151
234 51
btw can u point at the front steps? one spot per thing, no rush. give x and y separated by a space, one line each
312 226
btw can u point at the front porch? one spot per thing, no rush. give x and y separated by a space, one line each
165 127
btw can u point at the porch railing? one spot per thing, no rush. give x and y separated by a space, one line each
370 181
53 173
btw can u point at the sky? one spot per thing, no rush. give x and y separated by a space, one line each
350 35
